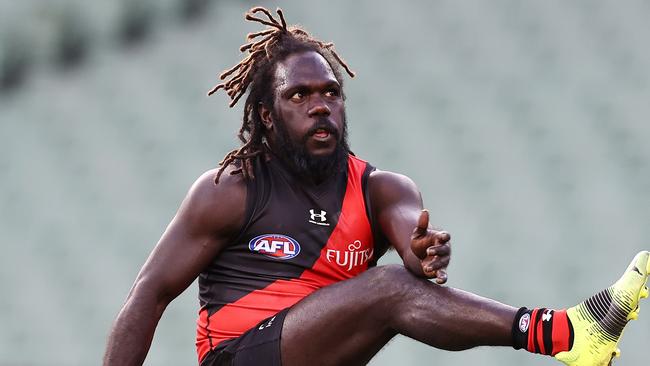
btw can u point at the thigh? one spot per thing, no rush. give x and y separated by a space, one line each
346 323
349 322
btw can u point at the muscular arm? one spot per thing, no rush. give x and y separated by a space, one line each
397 207
209 216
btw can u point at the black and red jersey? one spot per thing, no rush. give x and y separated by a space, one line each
297 239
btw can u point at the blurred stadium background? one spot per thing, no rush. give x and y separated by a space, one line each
525 124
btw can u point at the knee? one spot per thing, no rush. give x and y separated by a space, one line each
393 280
389 271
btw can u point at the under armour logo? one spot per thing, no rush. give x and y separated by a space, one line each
322 220
548 314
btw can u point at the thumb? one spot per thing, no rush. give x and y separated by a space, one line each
423 225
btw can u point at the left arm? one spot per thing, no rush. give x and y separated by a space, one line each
396 203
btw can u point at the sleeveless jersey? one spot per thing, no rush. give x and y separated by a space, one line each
297 239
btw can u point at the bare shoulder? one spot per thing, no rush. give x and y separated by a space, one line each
386 186
218 207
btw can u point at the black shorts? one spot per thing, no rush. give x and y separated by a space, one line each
259 345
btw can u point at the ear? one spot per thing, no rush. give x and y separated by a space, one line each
265 116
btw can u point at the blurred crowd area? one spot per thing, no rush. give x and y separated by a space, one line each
524 123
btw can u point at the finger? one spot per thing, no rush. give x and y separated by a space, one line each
441 276
423 225
438 263
428 270
427 264
442 237
440 250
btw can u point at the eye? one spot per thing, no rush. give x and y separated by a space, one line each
297 96
332 93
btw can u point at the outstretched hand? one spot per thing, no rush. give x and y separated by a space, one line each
433 249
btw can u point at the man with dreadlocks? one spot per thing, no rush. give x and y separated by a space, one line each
285 236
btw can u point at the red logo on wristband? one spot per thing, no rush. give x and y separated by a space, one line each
524 322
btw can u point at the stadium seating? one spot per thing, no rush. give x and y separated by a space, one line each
523 123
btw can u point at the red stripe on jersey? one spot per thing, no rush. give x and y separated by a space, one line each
561 333
202 336
346 255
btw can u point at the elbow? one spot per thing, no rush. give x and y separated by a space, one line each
150 293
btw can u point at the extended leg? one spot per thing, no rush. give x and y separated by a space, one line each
349 322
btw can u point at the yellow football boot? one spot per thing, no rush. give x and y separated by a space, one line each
598 322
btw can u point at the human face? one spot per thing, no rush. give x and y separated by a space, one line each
314 168
308 101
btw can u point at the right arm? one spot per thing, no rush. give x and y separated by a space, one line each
209 216
397 206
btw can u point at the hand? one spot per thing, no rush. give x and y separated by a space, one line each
433 249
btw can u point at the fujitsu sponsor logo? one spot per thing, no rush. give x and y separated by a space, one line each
276 246
348 259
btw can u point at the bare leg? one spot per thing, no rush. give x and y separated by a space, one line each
349 322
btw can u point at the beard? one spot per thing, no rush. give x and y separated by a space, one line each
300 162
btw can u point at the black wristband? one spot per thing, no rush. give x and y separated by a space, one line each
520 327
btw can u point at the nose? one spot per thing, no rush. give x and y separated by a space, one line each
318 107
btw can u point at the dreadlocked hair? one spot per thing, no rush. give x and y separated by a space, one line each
255 73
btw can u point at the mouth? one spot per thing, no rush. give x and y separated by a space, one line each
323 131
321 134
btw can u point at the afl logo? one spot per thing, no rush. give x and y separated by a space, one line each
275 246
524 322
